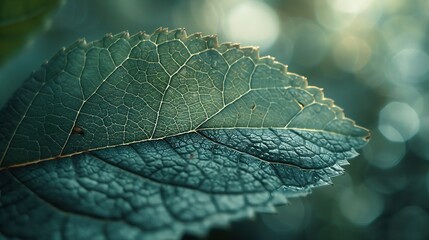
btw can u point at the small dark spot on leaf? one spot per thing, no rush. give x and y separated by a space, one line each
253 107
300 104
191 156
77 130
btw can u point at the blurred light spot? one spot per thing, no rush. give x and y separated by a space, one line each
409 94
393 6
371 74
388 182
205 16
291 218
409 223
424 4
383 153
398 122
426 99
353 15
411 64
351 53
329 18
212 15
360 205
253 22
287 49
401 32
310 42
420 144
350 6
424 129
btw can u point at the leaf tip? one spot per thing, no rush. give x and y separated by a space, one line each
197 35
268 60
126 34
80 42
252 52
160 30
212 41
142 35
180 33
235 45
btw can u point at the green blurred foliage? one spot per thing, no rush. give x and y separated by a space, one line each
371 56
19 20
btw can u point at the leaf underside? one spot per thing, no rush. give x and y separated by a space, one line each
162 134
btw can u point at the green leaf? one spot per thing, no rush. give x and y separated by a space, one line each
19 20
162 134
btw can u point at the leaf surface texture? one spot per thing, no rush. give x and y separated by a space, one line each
162 134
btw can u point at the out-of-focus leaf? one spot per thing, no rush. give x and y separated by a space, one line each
161 134
20 20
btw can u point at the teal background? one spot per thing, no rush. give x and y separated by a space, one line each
371 57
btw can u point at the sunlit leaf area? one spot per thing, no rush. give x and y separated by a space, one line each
371 56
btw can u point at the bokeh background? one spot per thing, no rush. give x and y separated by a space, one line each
371 56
